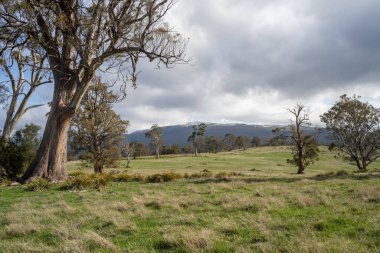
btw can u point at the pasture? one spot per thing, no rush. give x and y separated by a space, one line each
262 207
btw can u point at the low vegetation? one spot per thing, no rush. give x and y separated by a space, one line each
242 201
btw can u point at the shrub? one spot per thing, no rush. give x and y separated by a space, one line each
86 181
162 178
121 177
221 175
17 153
40 184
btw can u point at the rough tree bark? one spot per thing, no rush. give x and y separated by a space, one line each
51 159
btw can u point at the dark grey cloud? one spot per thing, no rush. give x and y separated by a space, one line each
253 58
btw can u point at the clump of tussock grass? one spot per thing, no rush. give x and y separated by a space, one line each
162 178
94 238
79 180
202 240
124 177
368 193
154 204
86 181
40 184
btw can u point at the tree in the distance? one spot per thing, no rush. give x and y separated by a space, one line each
305 146
78 38
354 126
156 139
256 141
242 142
196 137
96 129
214 144
230 141
139 149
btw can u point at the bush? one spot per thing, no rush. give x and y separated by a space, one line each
86 181
17 153
162 178
122 177
38 185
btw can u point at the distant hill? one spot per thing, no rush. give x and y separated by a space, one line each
178 134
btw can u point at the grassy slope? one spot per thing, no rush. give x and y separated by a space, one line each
267 210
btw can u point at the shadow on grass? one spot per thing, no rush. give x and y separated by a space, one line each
320 177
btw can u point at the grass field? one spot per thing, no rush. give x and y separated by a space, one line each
266 209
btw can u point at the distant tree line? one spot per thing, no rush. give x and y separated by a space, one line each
97 136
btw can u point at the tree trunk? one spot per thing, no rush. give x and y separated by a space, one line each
9 124
361 166
157 152
7 130
51 158
98 168
300 169
196 151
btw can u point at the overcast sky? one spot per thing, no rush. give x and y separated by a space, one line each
251 59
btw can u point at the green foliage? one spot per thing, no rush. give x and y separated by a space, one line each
155 134
310 153
97 131
354 125
139 149
197 136
242 142
124 177
17 153
256 141
163 178
171 150
40 184
214 144
230 141
86 181
304 142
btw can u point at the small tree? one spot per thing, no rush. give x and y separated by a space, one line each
97 129
128 151
305 147
230 141
139 149
242 142
256 141
214 144
156 138
354 126
196 137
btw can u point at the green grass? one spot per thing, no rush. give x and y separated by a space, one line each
267 209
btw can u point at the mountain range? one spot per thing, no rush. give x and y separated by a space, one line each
178 134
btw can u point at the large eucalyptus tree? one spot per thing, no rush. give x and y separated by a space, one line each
79 37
